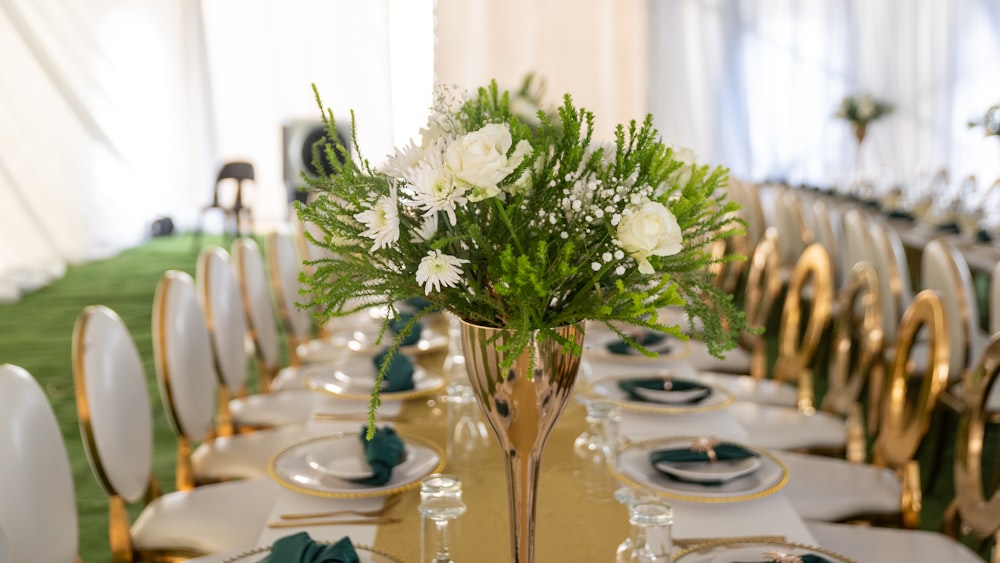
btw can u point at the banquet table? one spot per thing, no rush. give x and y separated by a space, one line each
570 526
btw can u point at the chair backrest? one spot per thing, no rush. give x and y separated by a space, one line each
994 300
856 239
185 368
239 171
752 211
906 416
888 256
857 342
824 224
38 521
804 317
943 268
258 306
112 403
789 220
977 514
219 294
762 289
286 265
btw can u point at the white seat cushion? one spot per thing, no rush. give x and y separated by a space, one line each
209 519
289 378
886 544
785 428
830 489
746 388
243 456
275 409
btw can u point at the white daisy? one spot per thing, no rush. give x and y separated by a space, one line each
403 160
428 228
438 269
434 188
382 221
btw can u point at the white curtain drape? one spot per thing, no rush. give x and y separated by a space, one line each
754 84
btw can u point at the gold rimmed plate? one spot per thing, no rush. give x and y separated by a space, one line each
365 554
295 467
355 379
725 550
364 340
670 349
635 469
607 388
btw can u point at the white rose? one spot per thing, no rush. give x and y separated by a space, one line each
480 158
649 229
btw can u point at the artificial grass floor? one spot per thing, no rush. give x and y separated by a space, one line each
36 333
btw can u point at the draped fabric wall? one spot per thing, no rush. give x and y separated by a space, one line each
754 84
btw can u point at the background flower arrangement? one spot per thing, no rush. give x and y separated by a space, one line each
523 225
862 109
989 122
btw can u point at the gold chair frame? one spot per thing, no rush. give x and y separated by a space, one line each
763 287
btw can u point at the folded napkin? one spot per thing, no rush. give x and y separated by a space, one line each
657 384
300 548
383 452
418 304
647 339
901 215
397 323
983 236
399 375
807 558
723 452
949 227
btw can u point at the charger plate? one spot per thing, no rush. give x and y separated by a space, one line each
293 467
607 388
728 550
634 468
355 378
365 554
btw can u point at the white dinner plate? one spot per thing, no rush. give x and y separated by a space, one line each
671 348
673 397
710 471
635 469
363 339
355 379
294 467
607 388
725 550
350 467
365 554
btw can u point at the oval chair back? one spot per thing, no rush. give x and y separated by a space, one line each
944 269
251 273
889 258
804 318
763 287
38 522
219 294
906 416
185 368
286 265
115 415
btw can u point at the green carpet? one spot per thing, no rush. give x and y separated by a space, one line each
36 332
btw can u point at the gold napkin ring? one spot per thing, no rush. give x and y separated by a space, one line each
780 557
706 445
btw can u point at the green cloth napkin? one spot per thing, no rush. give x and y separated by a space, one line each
384 451
418 303
399 376
807 558
656 383
300 548
648 339
723 452
397 324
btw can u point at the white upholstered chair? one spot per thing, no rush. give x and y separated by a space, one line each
38 522
828 489
994 299
219 294
116 423
856 240
187 380
888 256
791 225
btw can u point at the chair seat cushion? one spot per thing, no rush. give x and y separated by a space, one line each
785 428
243 456
830 489
288 378
886 544
746 388
275 409
209 519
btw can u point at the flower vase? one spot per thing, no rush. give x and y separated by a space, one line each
521 404
860 130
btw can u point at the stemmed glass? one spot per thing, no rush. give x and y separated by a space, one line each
440 504
596 450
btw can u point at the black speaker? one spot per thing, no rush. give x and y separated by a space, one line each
298 138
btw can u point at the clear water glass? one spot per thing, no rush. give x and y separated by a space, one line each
596 451
440 506
454 362
650 538
468 439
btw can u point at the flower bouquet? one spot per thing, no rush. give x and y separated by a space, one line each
860 110
989 122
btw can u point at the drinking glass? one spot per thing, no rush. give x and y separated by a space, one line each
650 538
596 450
467 439
440 505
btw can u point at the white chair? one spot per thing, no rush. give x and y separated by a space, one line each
187 379
38 522
828 489
994 299
116 423
856 239
824 222
889 258
790 222
219 294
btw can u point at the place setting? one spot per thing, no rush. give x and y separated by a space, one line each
349 465
701 469
753 550
355 378
604 344
661 392
301 547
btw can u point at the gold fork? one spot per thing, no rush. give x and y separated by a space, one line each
389 505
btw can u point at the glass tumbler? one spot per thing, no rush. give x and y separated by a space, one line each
468 439
596 451
440 506
650 539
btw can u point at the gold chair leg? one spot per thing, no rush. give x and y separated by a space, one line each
912 499
185 480
224 418
120 535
